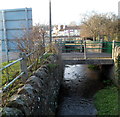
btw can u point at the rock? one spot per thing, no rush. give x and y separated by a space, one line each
19 104
11 112
41 73
52 58
45 68
35 82
27 89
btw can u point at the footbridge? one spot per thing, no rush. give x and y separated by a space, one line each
88 52
92 58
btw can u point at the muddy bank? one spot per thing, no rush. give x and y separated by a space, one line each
77 90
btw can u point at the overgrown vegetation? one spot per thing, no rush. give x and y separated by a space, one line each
106 101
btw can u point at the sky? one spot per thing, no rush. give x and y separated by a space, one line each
63 11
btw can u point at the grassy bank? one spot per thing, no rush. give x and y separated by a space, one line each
106 101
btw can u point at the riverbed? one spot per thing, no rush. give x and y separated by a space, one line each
78 88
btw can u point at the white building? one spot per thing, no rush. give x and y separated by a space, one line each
64 30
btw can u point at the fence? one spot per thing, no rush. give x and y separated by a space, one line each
21 67
90 49
13 22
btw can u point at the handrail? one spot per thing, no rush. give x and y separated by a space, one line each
22 72
88 46
11 64
4 88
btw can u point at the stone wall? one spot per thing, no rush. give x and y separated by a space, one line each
117 70
39 94
116 55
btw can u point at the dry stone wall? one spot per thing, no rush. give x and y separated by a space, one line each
39 94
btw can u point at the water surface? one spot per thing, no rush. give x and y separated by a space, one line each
77 91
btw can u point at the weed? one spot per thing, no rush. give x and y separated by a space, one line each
106 101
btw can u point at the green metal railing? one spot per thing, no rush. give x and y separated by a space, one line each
105 45
88 46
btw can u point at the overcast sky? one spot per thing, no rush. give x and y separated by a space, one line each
63 11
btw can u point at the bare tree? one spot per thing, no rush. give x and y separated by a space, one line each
32 42
31 39
99 25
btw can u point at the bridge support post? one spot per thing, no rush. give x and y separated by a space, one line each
113 47
85 56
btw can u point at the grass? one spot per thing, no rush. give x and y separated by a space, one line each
106 101
10 73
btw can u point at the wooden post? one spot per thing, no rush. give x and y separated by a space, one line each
85 56
113 47
23 65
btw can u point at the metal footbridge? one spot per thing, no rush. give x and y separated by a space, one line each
88 52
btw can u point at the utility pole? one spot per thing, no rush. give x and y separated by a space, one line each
50 21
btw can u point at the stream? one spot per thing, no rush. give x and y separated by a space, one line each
78 88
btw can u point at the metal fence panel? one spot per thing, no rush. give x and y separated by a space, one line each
12 25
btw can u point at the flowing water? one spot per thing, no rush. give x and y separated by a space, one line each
77 91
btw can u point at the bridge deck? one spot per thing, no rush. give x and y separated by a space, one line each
92 58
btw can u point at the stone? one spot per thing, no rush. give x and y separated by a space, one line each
35 82
40 73
12 112
45 68
27 89
19 104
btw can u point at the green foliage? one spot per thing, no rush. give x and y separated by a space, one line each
52 66
107 82
106 101
10 73
93 67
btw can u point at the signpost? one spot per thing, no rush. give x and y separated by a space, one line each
50 21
